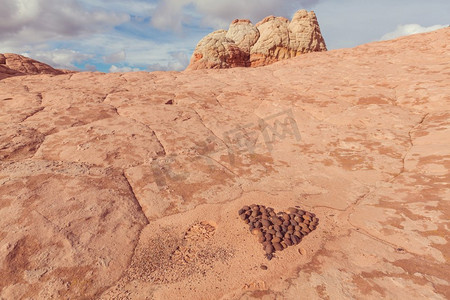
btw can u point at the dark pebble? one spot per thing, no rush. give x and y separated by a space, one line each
285 217
277 247
264 267
298 234
276 221
276 239
292 210
269 249
265 223
295 239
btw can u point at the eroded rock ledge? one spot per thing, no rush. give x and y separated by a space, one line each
14 65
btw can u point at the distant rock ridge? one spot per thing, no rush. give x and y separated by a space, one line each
248 45
15 65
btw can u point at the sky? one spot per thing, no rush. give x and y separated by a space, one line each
161 35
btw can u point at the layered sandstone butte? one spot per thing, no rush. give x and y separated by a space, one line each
248 45
129 186
16 65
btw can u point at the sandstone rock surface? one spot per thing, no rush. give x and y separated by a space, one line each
248 45
14 64
128 186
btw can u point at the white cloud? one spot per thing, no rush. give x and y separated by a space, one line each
90 68
43 28
59 58
408 29
115 57
29 22
179 62
131 7
141 52
115 69
171 14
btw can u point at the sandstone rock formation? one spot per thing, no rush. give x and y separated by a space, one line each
14 65
128 186
271 40
243 34
221 52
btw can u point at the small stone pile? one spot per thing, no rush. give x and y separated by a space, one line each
277 231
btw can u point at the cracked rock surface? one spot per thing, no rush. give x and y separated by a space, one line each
126 186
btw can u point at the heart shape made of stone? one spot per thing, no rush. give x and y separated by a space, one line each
277 231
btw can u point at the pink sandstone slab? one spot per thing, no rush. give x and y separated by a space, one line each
127 186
